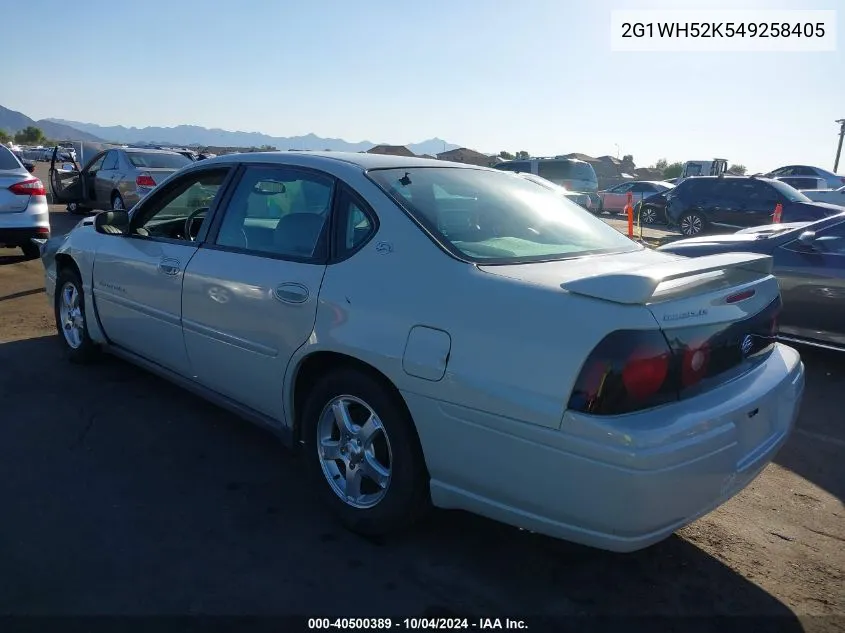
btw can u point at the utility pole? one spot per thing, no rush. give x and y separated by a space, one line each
841 123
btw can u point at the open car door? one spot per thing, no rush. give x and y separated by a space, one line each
65 183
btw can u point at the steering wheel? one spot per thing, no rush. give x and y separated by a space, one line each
189 222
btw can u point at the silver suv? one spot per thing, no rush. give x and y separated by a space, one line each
24 215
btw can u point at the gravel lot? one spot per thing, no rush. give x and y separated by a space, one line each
124 495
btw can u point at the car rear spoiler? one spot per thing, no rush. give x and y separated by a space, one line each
639 285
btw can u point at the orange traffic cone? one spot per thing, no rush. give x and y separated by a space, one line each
629 208
778 213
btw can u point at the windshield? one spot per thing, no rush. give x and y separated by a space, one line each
790 193
493 217
154 160
8 160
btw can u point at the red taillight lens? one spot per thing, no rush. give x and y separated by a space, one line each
31 187
145 181
645 372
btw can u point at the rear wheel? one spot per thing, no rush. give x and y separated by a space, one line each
117 202
363 453
70 318
691 224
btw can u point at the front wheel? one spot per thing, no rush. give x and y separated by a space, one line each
691 224
70 318
31 251
363 453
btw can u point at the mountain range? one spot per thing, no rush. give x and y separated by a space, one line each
61 129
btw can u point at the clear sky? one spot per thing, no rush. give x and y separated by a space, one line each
535 75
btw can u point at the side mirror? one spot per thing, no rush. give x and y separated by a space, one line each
112 222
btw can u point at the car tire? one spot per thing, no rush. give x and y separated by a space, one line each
648 214
71 322
394 447
31 251
117 202
691 224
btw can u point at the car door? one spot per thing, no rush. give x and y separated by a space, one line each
104 182
616 197
756 200
250 293
138 276
89 181
812 280
65 182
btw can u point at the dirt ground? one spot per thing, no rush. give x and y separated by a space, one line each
124 495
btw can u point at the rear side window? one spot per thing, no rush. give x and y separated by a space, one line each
8 160
515 165
566 170
152 160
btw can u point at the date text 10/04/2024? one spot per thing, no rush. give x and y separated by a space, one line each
413 624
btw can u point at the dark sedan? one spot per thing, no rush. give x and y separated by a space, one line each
809 262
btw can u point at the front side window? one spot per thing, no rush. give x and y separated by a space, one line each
279 211
502 220
178 211
97 165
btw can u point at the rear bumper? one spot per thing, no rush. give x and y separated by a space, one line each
22 227
20 236
621 483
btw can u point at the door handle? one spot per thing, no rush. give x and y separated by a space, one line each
291 292
169 266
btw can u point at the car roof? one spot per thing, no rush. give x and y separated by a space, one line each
138 150
363 160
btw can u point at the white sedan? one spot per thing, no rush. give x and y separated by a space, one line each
831 196
436 333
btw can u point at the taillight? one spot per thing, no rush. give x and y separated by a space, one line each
31 187
631 370
145 180
628 371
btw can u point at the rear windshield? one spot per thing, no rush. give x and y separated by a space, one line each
8 160
154 160
790 193
493 218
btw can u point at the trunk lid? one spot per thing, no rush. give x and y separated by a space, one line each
158 174
718 313
10 202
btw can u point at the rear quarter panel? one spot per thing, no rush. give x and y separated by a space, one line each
516 349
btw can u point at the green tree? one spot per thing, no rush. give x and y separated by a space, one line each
30 135
738 169
506 155
628 158
673 170
523 154
662 164
4 137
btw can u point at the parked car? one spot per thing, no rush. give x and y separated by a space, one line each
809 262
700 204
575 175
615 198
804 182
581 199
834 181
24 215
830 196
403 320
115 178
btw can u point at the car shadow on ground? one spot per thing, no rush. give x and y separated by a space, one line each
816 450
124 494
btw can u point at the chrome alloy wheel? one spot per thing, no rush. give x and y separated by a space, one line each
70 316
690 225
354 451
